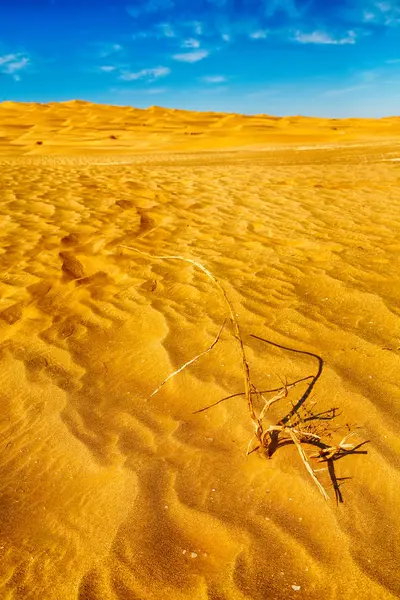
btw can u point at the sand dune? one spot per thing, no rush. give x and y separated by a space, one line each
108 493
70 127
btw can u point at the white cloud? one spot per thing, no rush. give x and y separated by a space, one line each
150 74
368 16
214 79
197 27
320 37
384 6
7 58
107 68
382 13
160 30
249 26
389 12
166 30
371 75
107 49
258 35
191 57
140 35
346 90
191 43
12 64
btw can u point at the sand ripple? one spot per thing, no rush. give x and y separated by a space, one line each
106 494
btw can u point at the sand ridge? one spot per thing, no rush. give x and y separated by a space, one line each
68 127
109 494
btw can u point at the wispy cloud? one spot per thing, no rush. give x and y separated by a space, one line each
225 20
191 43
231 20
321 37
166 30
159 30
198 27
141 35
191 57
345 90
382 13
370 14
261 34
108 68
214 79
370 75
104 49
149 74
13 64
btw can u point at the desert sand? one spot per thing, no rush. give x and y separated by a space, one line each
110 493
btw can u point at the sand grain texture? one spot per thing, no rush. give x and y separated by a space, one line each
109 494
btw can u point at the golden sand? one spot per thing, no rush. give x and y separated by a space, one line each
108 493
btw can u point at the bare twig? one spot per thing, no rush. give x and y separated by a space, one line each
289 385
306 462
311 384
245 364
189 362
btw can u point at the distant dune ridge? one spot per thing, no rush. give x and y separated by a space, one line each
56 128
111 492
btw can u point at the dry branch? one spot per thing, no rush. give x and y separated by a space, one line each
189 362
289 385
245 364
306 462
293 427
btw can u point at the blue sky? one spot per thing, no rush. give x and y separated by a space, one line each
330 58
